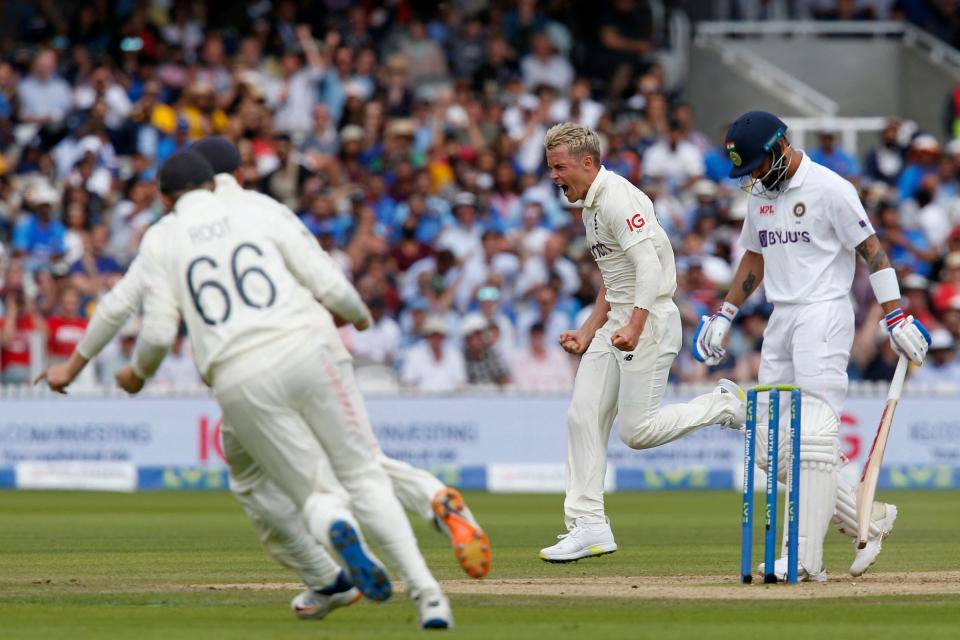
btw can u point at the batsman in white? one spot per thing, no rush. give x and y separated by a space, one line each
628 342
803 229
246 288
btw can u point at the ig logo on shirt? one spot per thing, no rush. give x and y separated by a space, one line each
636 222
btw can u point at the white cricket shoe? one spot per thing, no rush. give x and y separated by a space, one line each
585 540
732 389
433 610
314 605
780 570
884 515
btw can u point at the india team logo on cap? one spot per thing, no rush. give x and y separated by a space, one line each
734 156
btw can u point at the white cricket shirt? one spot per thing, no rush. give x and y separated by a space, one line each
617 216
241 282
232 194
126 297
807 236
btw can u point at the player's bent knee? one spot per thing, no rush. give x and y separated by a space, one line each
637 433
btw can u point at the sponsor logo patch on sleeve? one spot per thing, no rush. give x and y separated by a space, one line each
636 222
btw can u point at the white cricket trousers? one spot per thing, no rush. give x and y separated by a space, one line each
275 518
611 382
809 345
279 414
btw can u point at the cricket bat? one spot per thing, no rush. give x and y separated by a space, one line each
871 470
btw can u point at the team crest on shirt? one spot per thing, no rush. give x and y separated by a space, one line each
799 209
636 222
734 156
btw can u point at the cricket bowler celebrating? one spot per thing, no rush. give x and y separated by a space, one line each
804 223
628 342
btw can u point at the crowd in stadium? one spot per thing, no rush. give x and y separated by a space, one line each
408 138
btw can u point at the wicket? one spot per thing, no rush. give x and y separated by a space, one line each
793 485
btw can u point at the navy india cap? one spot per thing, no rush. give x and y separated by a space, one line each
184 171
219 152
750 138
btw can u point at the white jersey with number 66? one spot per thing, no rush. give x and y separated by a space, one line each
239 280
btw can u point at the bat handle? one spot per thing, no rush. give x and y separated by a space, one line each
896 385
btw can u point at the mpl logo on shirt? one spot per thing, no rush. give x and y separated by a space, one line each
770 238
766 210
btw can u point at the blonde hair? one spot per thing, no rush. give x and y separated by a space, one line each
579 140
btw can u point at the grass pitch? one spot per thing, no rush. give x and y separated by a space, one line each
187 565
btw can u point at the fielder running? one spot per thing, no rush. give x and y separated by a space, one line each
628 342
803 228
247 289
273 514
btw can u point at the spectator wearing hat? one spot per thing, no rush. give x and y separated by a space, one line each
943 365
885 161
922 157
37 234
539 368
916 290
464 236
483 362
491 305
433 364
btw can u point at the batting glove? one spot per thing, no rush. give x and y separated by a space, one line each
711 332
908 336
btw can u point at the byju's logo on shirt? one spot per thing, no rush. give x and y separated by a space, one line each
770 238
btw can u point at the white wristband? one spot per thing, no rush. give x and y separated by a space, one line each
885 285
729 310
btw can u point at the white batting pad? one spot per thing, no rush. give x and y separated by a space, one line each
818 494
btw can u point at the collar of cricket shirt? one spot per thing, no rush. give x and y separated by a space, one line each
595 187
195 199
801 175
225 181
